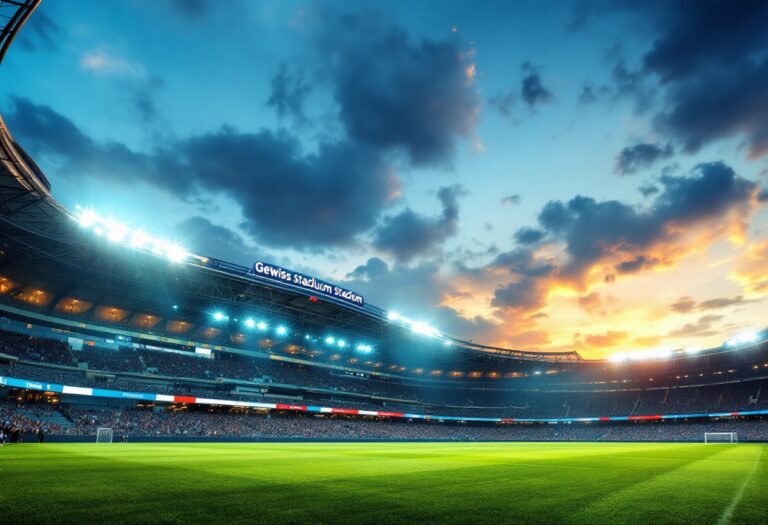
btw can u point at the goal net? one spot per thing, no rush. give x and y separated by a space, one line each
720 437
103 435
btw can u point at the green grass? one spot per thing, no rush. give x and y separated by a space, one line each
384 483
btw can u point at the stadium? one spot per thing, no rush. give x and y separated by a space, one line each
140 382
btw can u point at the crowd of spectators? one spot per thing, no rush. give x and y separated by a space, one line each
271 380
34 348
257 424
18 419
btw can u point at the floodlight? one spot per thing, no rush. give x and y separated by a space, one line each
219 316
341 343
423 329
281 330
329 340
250 323
393 316
261 325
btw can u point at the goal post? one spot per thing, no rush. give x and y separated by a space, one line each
721 437
103 435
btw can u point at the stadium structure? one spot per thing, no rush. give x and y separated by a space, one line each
107 327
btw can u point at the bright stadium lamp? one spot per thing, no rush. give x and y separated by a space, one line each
341 343
281 330
175 253
261 325
329 340
219 316
249 323
393 316
423 329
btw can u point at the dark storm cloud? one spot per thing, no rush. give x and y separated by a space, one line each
647 190
733 31
40 32
594 230
288 95
526 294
711 59
52 137
528 235
397 92
288 198
521 262
409 234
532 88
639 262
632 159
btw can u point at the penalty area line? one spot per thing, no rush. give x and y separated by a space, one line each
727 514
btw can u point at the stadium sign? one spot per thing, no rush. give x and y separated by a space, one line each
276 273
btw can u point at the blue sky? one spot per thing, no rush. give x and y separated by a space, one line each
477 165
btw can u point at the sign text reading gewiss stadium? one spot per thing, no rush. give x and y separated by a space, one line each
277 273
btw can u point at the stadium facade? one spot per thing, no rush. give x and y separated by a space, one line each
98 316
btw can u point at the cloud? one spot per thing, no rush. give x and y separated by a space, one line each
714 87
588 241
527 235
647 190
635 158
527 294
511 200
288 95
722 302
144 98
408 234
102 62
601 231
288 198
418 292
397 92
40 33
503 104
532 89
687 304
683 305
703 327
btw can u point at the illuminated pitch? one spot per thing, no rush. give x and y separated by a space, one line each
578 483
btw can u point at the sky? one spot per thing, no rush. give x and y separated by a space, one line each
547 176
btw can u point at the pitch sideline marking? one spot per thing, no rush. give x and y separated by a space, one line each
727 514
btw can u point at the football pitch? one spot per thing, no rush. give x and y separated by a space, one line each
384 483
